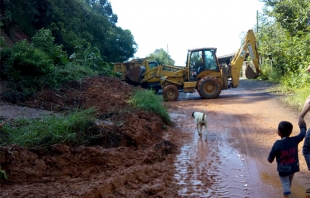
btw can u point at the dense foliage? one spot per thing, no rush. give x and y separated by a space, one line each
284 42
64 40
73 23
29 67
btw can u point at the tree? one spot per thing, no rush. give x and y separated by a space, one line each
284 41
293 15
162 57
73 23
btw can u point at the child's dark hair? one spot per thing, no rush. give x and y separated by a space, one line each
285 128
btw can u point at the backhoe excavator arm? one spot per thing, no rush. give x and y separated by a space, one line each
237 62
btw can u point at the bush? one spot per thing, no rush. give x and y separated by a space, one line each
24 59
31 67
44 40
269 73
147 100
90 57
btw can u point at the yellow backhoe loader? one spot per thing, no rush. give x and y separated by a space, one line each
202 72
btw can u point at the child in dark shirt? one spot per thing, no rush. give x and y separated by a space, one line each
286 153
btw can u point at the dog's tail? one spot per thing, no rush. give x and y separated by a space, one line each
203 115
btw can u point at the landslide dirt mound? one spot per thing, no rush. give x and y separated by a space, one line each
130 157
106 94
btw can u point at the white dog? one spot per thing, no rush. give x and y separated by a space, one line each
200 120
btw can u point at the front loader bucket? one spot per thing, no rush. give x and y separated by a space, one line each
135 74
249 72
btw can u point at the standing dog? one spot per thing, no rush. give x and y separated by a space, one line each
200 120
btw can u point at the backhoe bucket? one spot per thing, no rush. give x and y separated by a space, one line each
249 72
134 74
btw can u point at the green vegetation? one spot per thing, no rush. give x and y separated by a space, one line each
29 67
147 100
293 97
42 133
298 97
67 40
284 46
73 23
162 57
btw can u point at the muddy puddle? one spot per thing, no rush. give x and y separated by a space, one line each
211 157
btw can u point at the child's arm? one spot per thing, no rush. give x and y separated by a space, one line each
272 155
302 134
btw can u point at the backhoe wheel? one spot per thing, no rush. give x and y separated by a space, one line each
170 93
209 87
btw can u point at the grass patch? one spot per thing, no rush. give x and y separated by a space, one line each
294 97
297 97
147 100
42 133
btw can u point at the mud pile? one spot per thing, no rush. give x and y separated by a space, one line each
130 159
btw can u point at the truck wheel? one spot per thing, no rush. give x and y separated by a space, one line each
209 87
170 93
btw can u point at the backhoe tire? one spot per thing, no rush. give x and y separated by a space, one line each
170 93
209 87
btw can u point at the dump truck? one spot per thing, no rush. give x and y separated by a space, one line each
135 70
202 72
143 72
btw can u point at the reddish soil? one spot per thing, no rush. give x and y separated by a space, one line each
151 159
132 158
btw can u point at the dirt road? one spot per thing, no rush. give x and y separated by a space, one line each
231 159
